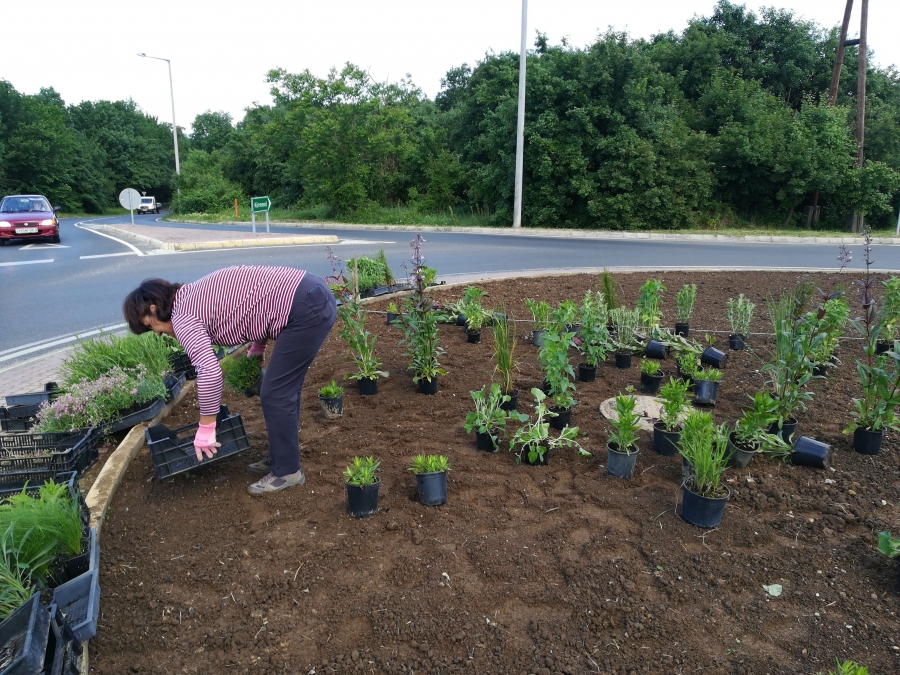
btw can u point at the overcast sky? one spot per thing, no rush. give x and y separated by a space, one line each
220 50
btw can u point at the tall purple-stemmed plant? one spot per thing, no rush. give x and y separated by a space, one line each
420 323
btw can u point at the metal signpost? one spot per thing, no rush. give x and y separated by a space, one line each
260 205
131 200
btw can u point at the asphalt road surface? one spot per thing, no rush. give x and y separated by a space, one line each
49 293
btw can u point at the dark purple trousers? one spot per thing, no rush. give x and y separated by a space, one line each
312 315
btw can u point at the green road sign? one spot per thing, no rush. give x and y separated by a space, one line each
260 204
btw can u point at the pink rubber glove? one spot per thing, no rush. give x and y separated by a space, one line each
257 349
205 441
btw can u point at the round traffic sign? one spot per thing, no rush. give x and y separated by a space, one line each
130 199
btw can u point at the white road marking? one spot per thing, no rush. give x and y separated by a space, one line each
103 234
25 262
364 241
107 255
28 246
22 350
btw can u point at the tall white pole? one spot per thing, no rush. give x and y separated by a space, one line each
520 122
174 124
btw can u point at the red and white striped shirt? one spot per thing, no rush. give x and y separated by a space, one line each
227 308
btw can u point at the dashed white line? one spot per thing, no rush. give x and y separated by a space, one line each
107 255
26 262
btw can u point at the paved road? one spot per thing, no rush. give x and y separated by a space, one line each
49 293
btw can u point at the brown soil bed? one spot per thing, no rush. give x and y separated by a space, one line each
556 569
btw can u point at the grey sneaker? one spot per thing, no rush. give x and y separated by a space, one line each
262 466
273 483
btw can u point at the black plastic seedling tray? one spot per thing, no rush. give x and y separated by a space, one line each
23 638
173 452
17 419
135 415
79 599
51 391
174 385
29 457
181 363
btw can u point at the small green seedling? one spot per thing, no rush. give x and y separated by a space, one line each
429 464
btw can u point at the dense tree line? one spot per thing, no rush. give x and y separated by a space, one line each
726 120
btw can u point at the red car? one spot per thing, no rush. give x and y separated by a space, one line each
28 217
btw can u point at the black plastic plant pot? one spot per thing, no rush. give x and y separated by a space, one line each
810 452
23 638
650 383
537 337
620 464
368 386
787 429
820 370
683 377
586 373
736 342
738 456
665 443
623 360
656 350
460 319
391 318
713 357
484 442
545 386
540 460
250 392
682 329
332 407
562 420
512 403
432 488
881 347
473 337
429 387
702 511
867 442
362 500
705 392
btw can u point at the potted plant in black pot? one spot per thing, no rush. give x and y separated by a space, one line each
595 340
667 431
739 312
558 374
361 478
651 376
649 306
625 324
684 305
488 420
331 400
504 332
431 478
540 313
622 447
362 347
706 385
532 441
393 314
705 448
752 429
890 547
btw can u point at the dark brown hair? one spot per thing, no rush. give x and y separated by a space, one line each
151 292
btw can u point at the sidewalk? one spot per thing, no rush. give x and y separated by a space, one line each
30 375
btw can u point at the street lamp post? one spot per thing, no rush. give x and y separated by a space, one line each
520 124
172 94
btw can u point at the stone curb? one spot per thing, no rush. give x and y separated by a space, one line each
574 234
226 243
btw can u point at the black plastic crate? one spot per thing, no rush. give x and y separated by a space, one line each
51 391
142 412
63 649
174 385
23 638
181 363
28 457
173 452
16 419
79 599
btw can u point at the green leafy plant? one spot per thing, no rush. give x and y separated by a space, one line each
739 313
429 274
15 580
674 397
381 258
362 471
370 273
420 322
533 439
705 446
684 302
241 373
504 350
540 312
849 668
429 464
649 367
393 308
608 287
470 307
890 310
707 375
91 359
832 318
752 428
625 324
689 365
565 316
595 339
649 304
558 372
888 545
488 417
331 390
626 425
360 341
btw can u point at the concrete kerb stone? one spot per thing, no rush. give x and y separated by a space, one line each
561 233
225 243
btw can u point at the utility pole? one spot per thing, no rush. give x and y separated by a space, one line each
520 124
859 218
